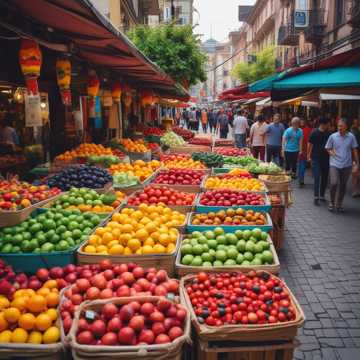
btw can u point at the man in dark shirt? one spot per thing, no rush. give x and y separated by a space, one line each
319 157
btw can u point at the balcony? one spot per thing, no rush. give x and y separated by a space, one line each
287 35
315 32
355 14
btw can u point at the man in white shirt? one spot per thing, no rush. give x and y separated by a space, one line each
258 137
240 127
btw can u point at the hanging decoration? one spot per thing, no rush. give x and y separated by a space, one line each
127 95
93 84
116 91
63 75
30 60
147 97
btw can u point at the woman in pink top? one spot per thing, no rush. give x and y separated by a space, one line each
258 138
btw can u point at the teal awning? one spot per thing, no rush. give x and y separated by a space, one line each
263 84
327 78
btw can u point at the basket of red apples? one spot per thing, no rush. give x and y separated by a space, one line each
123 328
235 306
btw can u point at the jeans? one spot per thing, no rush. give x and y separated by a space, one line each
273 153
291 158
204 127
301 170
338 180
258 151
223 133
320 171
240 140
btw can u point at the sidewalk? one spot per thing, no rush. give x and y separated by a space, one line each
320 262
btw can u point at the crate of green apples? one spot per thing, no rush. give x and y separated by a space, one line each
218 250
47 238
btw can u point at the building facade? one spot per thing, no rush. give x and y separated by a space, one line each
180 11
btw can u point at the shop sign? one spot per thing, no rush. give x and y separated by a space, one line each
33 110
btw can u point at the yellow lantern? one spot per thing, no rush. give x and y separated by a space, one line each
63 75
30 59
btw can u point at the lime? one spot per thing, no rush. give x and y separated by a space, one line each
210 234
6 248
186 249
26 235
61 229
63 245
230 262
15 249
76 234
232 253
72 225
65 221
212 244
198 249
265 244
246 234
256 233
71 242
253 239
267 257
231 239
186 241
258 248
264 235
17 239
248 256
245 263
221 239
218 263
42 239
34 244
250 246
202 239
241 245
35 228
256 261
207 264
221 247
50 234
196 261
67 234
187 259
221 255
212 252
207 257
95 219
25 246
239 234
49 224
196 234
194 242
87 230
240 259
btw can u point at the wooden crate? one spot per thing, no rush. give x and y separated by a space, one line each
215 350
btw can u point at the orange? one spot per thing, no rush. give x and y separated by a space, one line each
5 336
4 302
134 244
19 303
100 231
127 228
170 248
51 335
43 291
127 251
52 313
147 249
50 284
43 322
35 337
90 249
19 336
116 233
164 239
149 241
3 322
94 239
107 237
52 300
116 250
159 249
36 303
141 234
27 321
12 314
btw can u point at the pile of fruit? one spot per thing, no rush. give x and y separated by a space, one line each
153 131
224 142
234 183
133 323
142 170
182 162
104 160
52 230
30 316
230 216
184 133
209 159
174 157
153 146
171 139
231 151
80 176
200 141
161 195
105 280
217 248
239 161
137 146
180 177
84 150
86 199
236 172
17 195
264 168
147 230
230 198
237 298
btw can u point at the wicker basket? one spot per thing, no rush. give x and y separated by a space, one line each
285 331
276 186
169 351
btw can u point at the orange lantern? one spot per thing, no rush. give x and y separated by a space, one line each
93 85
116 91
147 97
128 100
30 60
63 75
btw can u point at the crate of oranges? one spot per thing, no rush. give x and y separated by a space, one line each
29 323
147 236
136 149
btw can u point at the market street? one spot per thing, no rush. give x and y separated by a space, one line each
320 262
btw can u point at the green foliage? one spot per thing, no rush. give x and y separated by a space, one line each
175 49
263 66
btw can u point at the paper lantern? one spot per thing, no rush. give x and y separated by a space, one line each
116 91
30 60
63 75
147 97
93 85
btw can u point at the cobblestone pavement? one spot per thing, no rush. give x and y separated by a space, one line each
320 262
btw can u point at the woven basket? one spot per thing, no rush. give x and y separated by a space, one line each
273 185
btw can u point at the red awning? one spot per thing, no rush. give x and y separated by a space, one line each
246 96
239 90
97 41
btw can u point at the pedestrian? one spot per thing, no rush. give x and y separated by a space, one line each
223 124
306 129
292 146
212 120
319 158
8 134
258 138
355 182
192 119
198 118
186 116
342 148
240 127
204 120
274 133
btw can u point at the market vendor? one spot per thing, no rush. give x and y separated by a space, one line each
8 134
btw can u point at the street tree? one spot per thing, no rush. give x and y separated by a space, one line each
175 49
263 65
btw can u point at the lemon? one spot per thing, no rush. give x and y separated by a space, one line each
19 336
51 335
5 336
35 337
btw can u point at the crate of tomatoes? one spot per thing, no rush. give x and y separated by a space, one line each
256 306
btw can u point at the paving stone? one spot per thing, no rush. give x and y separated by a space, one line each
331 342
348 354
329 354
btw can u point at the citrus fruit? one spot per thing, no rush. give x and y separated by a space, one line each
27 321
35 337
19 335
52 300
5 336
52 314
36 303
51 335
43 322
3 322
12 314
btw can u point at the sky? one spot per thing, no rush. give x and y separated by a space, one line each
217 17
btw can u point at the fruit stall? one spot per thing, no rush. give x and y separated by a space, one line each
170 255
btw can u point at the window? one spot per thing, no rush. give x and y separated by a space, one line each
339 12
